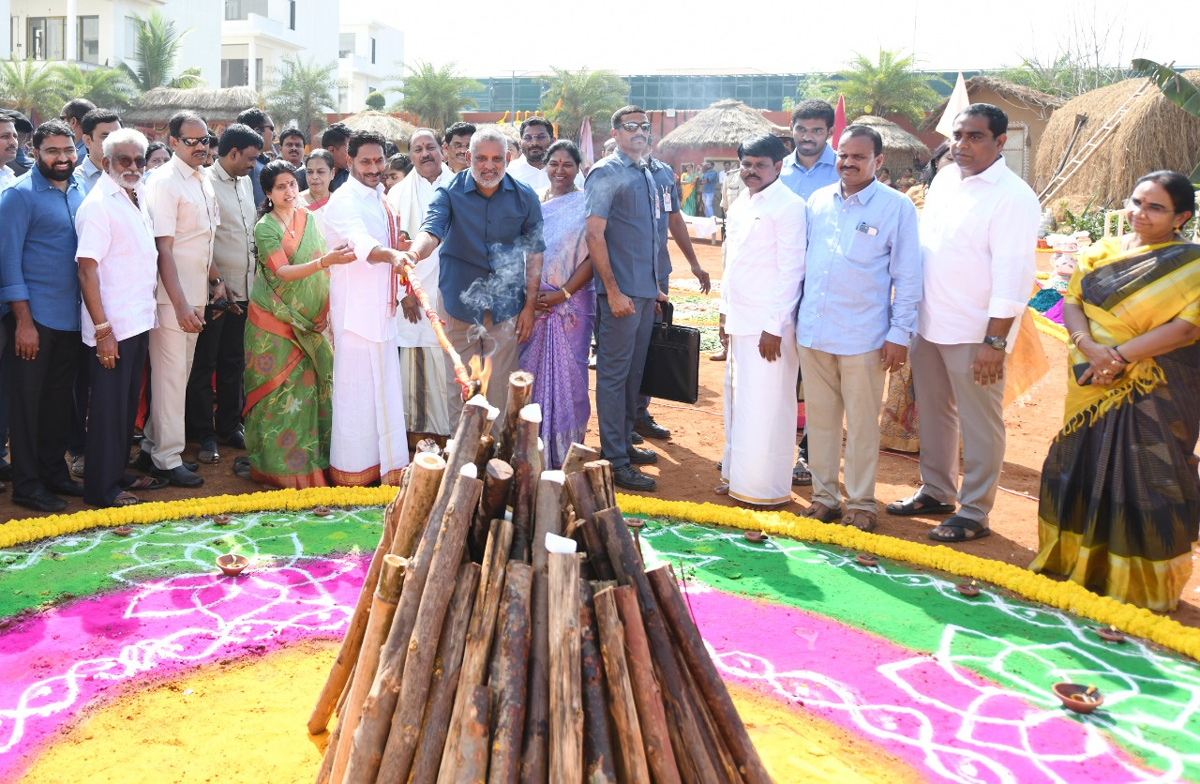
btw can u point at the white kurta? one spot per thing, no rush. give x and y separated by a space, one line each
369 442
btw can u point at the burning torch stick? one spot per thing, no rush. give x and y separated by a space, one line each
470 386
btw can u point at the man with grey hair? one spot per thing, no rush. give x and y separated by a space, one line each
117 260
488 228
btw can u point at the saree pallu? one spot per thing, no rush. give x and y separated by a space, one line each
899 423
1120 497
289 365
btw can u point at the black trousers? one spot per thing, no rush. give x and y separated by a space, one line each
79 404
110 422
220 348
40 406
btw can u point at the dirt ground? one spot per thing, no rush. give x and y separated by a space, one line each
687 461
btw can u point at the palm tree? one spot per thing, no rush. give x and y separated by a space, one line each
303 90
30 88
889 86
157 52
108 87
573 96
436 95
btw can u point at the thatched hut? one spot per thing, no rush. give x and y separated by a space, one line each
1029 112
901 150
1154 134
715 133
219 107
395 130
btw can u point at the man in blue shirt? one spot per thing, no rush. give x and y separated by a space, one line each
708 186
811 165
623 205
39 279
861 289
489 227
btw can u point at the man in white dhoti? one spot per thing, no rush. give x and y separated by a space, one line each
422 360
369 442
764 269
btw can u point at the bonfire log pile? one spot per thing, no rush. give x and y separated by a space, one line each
508 631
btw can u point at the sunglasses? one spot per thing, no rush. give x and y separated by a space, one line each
125 162
192 141
632 126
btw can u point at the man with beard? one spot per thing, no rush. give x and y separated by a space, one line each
335 139
38 279
117 261
97 125
488 227
291 145
623 205
456 146
184 210
863 283
422 363
764 269
368 442
220 349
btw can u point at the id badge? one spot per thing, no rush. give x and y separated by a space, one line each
657 208
667 201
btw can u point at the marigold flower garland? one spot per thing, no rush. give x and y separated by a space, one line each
1068 596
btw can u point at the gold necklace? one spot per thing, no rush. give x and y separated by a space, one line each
550 194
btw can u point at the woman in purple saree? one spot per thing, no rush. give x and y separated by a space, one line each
557 351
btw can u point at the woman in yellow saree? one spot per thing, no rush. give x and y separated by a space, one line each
1120 498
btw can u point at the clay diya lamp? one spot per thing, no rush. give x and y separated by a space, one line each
1111 634
967 589
1081 699
866 560
756 536
322 511
122 530
232 565
222 519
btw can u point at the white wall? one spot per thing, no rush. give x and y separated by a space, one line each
357 74
202 47
5 27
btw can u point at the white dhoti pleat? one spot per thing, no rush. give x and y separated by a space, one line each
369 441
760 416
426 406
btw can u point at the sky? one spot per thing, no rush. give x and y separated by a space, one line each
780 37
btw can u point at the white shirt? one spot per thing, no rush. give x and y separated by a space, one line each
359 291
978 244
764 261
410 201
119 236
538 179
7 177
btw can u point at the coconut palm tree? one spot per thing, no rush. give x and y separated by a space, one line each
888 86
573 95
435 95
108 87
303 90
157 54
31 88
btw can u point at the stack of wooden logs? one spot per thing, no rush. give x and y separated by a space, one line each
476 654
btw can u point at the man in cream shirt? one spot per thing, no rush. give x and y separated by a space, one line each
764 269
978 239
369 442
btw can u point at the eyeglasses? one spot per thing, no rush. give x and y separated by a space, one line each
633 126
125 162
55 152
541 137
192 141
1150 208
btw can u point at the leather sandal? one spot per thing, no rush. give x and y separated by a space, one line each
919 504
819 511
959 529
860 519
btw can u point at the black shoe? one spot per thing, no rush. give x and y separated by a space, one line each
650 429
236 439
642 456
41 501
630 478
180 476
144 464
5 470
636 438
74 489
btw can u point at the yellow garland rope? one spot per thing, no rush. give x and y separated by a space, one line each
1048 327
1068 596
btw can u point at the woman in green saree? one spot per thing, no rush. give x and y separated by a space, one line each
1120 499
289 364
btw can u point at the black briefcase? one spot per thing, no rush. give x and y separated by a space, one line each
673 361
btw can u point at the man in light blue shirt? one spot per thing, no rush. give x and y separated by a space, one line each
862 285
811 166
97 124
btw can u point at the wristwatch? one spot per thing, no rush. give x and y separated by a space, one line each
998 343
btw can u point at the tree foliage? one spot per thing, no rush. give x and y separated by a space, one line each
303 90
583 93
1088 56
817 87
157 55
110 88
376 101
31 88
885 87
435 95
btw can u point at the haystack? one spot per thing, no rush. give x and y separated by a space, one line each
901 150
395 130
715 133
1009 96
219 107
1154 134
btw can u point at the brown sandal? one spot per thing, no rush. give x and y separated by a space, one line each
861 519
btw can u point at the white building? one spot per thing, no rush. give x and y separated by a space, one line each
257 34
104 32
370 54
